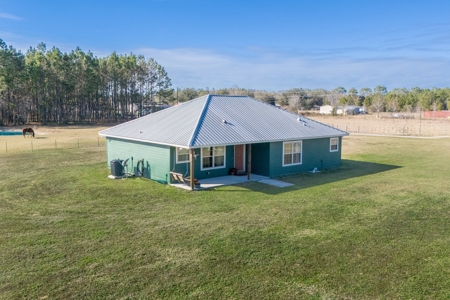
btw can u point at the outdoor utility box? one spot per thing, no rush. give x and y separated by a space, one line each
116 167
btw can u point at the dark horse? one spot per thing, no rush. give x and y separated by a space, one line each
28 130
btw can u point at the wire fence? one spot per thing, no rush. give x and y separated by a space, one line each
390 126
31 144
418 130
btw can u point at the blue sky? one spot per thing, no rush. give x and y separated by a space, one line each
268 45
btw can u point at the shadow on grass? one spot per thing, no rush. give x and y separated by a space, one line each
349 169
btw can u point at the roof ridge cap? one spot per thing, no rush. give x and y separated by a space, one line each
194 133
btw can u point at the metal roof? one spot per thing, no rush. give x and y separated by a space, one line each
214 120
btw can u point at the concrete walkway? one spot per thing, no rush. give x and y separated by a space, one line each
214 182
277 183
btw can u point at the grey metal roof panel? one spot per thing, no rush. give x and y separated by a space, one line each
251 121
200 122
171 126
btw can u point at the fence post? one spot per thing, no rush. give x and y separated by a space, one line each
6 145
78 143
420 126
55 145
31 146
98 142
358 128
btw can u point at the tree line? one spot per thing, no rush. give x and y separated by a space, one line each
51 86
378 99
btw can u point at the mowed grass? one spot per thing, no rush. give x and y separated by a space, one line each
376 228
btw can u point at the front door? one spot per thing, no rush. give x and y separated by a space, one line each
239 157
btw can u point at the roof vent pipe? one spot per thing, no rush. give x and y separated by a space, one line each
224 121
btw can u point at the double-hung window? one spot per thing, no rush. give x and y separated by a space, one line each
182 155
292 153
334 144
213 157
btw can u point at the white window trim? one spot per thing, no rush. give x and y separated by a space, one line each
337 144
181 161
213 168
301 153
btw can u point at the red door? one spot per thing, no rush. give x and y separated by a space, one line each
239 157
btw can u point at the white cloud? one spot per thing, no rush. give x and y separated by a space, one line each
279 71
10 16
276 69
18 42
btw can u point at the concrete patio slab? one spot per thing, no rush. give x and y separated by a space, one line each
214 182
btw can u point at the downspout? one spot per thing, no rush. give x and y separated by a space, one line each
191 162
249 161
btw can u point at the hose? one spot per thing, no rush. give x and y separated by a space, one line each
140 172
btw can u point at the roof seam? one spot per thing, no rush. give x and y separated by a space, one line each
197 126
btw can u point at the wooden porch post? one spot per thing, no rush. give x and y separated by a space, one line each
249 161
191 166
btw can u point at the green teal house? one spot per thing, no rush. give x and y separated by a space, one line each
211 135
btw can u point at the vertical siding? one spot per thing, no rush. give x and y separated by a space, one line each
260 159
183 168
315 154
156 157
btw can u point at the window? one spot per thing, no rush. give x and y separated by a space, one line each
292 153
334 144
213 157
182 155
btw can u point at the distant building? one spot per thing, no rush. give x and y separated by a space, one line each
347 110
444 114
352 110
326 109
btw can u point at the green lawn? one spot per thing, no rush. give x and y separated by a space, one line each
376 228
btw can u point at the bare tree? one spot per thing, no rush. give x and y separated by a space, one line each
333 99
378 103
393 104
235 90
294 101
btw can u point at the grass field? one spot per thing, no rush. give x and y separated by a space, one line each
387 125
52 137
376 228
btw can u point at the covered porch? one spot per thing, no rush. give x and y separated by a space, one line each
213 166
